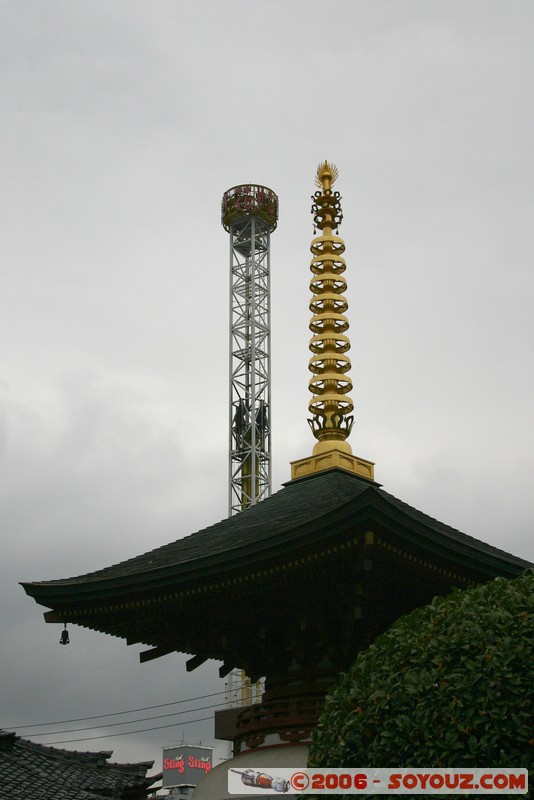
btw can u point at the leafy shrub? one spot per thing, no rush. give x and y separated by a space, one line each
449 685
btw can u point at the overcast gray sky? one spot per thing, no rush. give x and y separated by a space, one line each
122 123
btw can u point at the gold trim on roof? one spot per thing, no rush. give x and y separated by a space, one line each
367 539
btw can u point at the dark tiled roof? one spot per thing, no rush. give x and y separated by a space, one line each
232 574
302 509
295 507
441 537
30 771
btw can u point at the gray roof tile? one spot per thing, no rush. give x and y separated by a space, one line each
30 771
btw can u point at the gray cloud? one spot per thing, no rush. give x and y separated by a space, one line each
122 126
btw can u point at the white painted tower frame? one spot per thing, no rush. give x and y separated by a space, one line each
249 214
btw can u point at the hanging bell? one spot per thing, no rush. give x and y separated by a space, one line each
64 636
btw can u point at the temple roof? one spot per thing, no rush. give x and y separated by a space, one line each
232 573
29 770
297 513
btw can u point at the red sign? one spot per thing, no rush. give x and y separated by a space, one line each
185 765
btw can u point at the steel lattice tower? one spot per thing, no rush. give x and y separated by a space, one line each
249 214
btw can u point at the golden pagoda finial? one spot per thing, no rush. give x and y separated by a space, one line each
331 407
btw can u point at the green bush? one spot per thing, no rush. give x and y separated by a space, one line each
449 685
